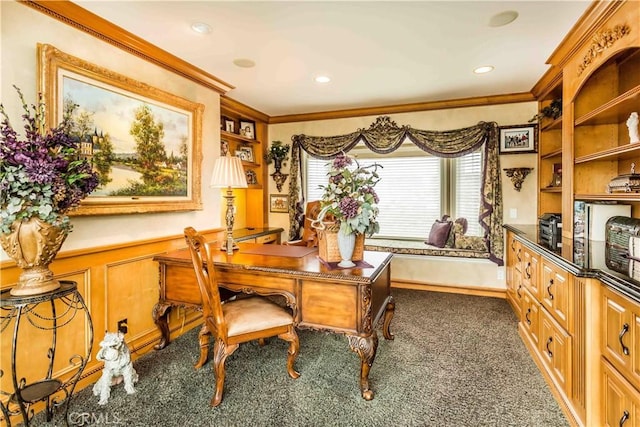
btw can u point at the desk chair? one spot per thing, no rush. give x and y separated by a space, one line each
309 234
237 321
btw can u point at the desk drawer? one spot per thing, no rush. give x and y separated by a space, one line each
255 280
269 238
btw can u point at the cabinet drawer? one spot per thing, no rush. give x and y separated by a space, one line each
555 350
621 334
556 293
530 317
530 264
269 238
620 400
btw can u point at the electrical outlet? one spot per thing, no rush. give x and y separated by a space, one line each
123 326
500 273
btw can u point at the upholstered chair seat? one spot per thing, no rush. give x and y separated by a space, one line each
253 314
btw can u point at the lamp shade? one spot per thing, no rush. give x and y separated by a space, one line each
228 172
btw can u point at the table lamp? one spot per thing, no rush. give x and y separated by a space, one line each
228 173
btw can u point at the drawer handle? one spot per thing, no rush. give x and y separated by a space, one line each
518 255
549 289
625 417
527 270
549 352
625 329
526 316
518 291
513 244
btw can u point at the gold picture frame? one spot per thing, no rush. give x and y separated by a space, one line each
279 203
165 177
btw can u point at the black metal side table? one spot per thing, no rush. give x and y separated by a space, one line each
64 304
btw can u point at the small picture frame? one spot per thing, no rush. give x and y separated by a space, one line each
519 139
252 178
279 203
229 125
241 154
248 154
248 128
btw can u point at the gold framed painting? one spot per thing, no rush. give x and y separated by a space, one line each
145 143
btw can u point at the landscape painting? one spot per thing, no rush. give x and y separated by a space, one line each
143 142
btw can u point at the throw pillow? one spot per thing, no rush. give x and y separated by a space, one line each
439 232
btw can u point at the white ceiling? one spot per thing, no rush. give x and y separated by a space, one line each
376 52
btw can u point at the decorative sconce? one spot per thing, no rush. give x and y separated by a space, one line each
517 176
278 153
279 178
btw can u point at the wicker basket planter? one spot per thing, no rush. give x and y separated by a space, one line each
328 244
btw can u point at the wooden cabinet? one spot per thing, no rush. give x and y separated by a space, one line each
530 319
552 322
621 401
530 271
250 146
556 351
556 294
621 334
514 273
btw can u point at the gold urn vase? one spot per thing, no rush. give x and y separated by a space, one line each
33 244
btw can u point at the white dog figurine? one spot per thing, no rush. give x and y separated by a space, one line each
117 367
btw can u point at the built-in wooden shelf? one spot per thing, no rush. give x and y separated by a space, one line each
552 154
628 197
235 136
551 190
613 112
628 151
555 124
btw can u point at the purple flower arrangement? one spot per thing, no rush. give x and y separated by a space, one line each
350 197
41 175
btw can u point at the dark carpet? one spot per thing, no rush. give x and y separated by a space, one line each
456 360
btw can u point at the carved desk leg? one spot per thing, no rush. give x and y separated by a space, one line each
160 313
366 348
388 315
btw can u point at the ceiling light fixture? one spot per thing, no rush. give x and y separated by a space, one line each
503 18
322 79
483 69
201 28
244 63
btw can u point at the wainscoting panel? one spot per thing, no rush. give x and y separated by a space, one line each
116 282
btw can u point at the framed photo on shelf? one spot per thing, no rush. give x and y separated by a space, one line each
248 153
279 203
248 128
229 125
242 154
519 139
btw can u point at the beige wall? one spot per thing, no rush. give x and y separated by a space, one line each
436 270
22 28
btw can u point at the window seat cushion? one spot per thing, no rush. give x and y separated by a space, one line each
417 247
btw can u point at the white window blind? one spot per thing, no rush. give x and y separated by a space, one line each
414 190
467 190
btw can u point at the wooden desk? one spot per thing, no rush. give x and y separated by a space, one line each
350 302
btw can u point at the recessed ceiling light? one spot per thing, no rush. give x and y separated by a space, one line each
244 63
322 79
483 69
503 18
201 27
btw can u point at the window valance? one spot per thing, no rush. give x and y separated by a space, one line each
384 136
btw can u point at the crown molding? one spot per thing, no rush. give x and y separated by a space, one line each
90 23
407 108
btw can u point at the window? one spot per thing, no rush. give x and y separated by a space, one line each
415 189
